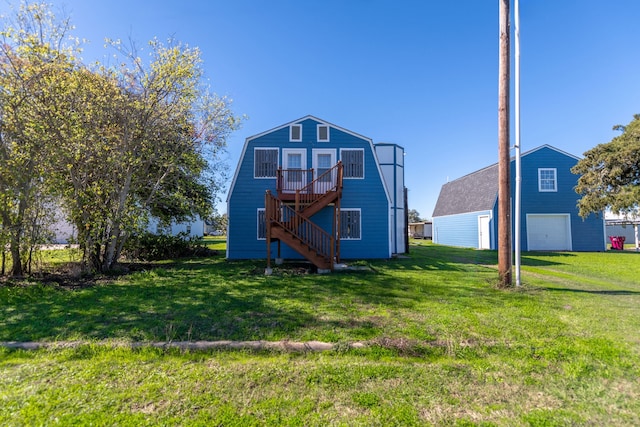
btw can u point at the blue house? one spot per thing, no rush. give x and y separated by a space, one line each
466 211
312 190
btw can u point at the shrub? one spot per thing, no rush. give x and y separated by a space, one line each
152 247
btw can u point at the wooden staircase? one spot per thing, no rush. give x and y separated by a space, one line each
288 217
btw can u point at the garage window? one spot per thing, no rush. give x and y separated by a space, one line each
547 179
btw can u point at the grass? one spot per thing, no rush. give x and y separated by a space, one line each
444 345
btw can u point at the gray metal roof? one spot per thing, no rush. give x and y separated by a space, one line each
477 191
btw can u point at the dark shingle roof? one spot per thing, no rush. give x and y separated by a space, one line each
471 193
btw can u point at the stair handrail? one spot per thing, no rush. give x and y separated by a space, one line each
320 186
299 226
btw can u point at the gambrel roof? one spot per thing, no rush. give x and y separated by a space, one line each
471 193
300 120
477 191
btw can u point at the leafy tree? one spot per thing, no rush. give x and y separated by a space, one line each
610 173
113 145
133 141
31 47
218 222
414 216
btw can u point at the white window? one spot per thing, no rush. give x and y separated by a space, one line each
323 133
323 161
265 162
547 179
350 224
262 224
294 165
353 163
295 133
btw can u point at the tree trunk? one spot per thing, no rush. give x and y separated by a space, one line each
90 253
113 246
94 258
29 259
16 262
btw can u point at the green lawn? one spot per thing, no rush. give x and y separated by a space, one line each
444 346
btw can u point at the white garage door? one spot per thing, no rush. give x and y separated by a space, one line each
549 232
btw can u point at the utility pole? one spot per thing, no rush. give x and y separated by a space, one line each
504 174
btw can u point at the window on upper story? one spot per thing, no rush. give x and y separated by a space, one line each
353 163
350 224
323 133
262 224
547 179
295 133
265 162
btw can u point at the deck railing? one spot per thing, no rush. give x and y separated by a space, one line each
305 186
288 181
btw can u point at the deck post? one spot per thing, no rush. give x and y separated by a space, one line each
336 222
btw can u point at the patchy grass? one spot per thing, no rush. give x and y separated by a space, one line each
444 345
216 243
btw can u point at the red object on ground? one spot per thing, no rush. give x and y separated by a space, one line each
617 242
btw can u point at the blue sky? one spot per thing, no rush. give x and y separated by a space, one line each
419 73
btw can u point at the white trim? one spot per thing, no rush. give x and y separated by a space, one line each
482 212
291 138
254 163
363 162
569 241
258 224
290 186
303 157
359 219
309 117
533 150
315 152
555 180
320 125
235 176
392 226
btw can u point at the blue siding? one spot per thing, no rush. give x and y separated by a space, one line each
587 234
460 230
247 196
